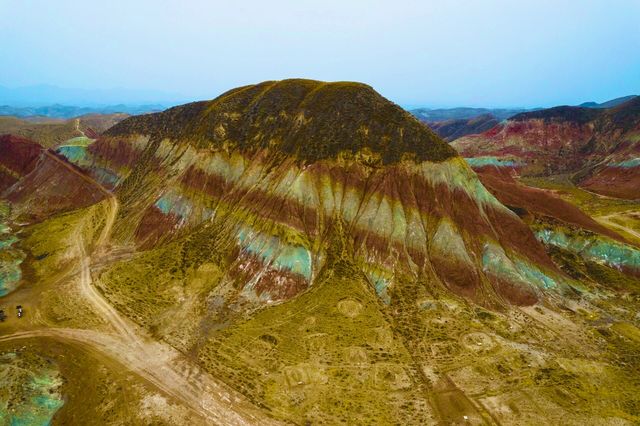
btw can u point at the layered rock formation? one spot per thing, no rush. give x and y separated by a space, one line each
19 157
40 183
559 224
599 147
286 169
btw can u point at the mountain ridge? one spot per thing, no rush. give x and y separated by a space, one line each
71 111
453 129
608 104
389 131
463 113
598 147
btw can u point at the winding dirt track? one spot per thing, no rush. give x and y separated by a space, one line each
606 220
110 220
165 371
159 363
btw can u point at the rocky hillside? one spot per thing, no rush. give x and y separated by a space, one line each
19 157
599 147
41 183
324 210
297 166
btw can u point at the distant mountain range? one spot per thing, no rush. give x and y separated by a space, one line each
58 102
464 113
44 94
609 104
69 111
451 130
467 113
454 123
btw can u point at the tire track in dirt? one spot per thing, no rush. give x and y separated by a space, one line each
606 220
211 402
158 363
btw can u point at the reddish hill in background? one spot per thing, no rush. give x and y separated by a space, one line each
39 183
52 186
600 147
616 180
18 156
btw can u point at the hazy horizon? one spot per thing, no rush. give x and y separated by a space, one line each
417 54
126 96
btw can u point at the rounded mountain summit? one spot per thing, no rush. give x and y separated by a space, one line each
312 120
283 182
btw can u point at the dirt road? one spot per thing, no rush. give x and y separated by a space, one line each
128 344
105 234
606 220
166 371
160 363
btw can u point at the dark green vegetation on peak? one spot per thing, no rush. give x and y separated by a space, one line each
309 119
626 115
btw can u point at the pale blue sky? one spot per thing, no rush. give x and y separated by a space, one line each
434 53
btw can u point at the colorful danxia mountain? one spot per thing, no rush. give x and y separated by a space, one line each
303 252
598 149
